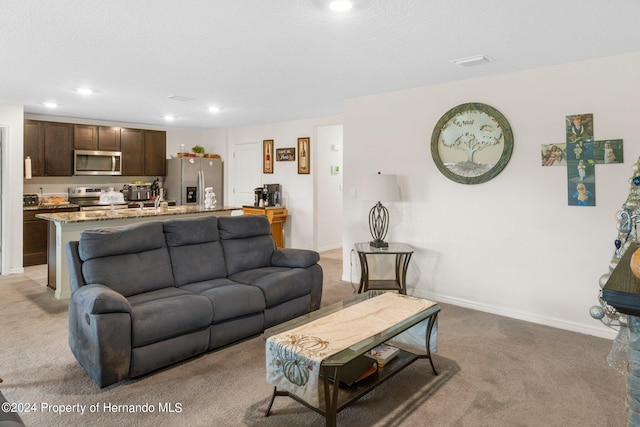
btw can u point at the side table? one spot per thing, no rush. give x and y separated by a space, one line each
277 216
402 252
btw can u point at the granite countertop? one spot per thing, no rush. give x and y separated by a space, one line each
104 215
50 206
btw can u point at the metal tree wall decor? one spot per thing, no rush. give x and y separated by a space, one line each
471 143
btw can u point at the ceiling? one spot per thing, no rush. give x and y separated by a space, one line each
264 61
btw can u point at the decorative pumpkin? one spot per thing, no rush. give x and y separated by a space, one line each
296 371
635 263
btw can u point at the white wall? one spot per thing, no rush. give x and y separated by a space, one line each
328 189
12 116
511 245
297 190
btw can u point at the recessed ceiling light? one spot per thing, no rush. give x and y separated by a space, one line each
214 109
84 91
169 117
471 60
340 5
50 104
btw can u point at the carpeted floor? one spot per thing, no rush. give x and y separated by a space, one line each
494 371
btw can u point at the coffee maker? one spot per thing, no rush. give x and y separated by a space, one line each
272 192
267 195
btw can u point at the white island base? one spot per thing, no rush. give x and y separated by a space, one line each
66 227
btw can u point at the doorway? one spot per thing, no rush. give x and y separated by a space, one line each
246 173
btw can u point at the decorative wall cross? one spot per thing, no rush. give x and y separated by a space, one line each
580 153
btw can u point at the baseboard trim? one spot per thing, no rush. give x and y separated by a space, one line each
598 330
601 332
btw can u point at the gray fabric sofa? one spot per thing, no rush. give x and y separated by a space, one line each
148 295
9 418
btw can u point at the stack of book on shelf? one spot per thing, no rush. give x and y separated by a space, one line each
384 353
359 369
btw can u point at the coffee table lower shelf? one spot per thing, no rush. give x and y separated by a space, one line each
346 396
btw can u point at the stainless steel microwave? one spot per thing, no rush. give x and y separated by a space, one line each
87 162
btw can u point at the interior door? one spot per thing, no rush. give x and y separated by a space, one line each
247 172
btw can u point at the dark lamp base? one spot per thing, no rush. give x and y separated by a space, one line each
378 244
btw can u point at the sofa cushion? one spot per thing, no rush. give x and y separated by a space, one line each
284 285
194 249
205 285
130 260
235 300
249 276
243 226
131 274
247 242
229 299
127 239
167 313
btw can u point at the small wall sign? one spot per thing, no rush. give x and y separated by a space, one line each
285 154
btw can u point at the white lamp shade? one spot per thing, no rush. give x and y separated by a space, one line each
380 188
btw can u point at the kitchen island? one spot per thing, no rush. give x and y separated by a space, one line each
67 226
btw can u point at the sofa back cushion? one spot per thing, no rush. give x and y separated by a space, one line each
194 248
247 242
131 259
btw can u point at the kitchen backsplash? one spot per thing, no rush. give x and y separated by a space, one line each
60 185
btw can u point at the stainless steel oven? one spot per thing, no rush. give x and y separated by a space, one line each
86 162
88 199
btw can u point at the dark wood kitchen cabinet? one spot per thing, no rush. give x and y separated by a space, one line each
132 145
85 137
58 149
50 147
109 138
34 145
155 152
92 137
35 235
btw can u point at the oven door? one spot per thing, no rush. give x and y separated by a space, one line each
86 162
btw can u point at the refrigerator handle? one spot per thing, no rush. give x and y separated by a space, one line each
200 196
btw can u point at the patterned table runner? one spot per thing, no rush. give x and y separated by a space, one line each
294 357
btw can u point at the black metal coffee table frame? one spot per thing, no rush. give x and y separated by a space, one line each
337 398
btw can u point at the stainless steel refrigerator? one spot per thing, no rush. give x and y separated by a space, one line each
187 177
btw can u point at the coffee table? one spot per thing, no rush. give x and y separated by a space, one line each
337 398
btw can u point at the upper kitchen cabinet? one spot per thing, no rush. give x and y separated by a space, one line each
50 147
34 145
155 152
109 138
85 137
91 137
58 149
132 147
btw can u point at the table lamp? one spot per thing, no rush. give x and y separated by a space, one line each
382 188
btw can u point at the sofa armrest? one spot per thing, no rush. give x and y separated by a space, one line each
74 266
100 299
294 258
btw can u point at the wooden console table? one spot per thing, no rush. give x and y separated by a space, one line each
277 216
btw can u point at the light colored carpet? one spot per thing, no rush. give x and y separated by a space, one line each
494 371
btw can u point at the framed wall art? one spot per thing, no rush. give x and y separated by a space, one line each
285 154
304 166
267 156
472 143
